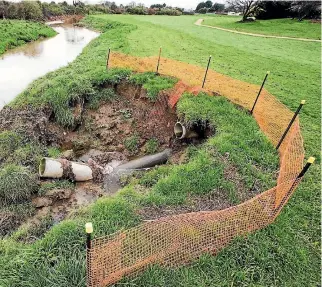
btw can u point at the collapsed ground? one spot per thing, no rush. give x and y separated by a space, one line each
123 117
120 121
63 246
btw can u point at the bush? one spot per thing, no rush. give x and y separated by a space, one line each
16 184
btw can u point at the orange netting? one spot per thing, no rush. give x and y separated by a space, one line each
178 239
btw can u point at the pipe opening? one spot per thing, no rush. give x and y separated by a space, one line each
200 129
179 130
42 166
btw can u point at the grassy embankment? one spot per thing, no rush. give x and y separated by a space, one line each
286 253
275 27
14 33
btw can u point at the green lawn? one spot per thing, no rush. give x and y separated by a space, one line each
15 33
287 253
277 27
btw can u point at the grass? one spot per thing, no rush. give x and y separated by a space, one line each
287 253
153 83
132 144
16 184
276 27
152 145
14 33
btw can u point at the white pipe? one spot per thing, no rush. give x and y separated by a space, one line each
51 168
81 171
54 168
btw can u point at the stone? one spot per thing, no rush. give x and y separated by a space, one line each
41 202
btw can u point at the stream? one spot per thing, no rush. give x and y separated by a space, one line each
20 66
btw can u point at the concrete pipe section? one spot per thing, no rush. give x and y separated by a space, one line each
146 161
181 132
58 168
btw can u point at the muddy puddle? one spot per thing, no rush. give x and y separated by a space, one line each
20 66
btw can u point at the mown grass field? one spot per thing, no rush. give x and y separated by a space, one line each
287 253
276 27
15 33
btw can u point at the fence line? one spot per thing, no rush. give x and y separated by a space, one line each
178 239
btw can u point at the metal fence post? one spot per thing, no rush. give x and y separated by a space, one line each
159 61
108 58
290 124
260 90
204 79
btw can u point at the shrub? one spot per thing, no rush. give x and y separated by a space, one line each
16 184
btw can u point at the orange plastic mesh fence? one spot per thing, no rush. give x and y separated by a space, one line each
178 239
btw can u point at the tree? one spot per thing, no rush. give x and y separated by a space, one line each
200 6
305 9
203 10
208 4
247 7
218 7
275 10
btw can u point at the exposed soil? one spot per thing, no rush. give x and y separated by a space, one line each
129 117
118 131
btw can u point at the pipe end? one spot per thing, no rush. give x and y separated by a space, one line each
42 166
179 130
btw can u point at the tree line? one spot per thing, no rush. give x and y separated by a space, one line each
264 9
40 11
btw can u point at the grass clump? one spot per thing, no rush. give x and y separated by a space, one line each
29 155
153 83
16 184
100 96
15 33
132 144
152 145
53 152
9 141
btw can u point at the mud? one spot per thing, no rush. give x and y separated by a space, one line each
118 131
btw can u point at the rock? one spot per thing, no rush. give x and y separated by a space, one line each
59 193
41 202
68 154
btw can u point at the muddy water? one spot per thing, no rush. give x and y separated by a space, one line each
21 66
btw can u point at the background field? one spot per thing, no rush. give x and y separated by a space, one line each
287 252
277 27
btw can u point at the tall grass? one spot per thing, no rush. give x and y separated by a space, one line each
15 33
16 184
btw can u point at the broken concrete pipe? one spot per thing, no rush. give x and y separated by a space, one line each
146 161
58 168
181 132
